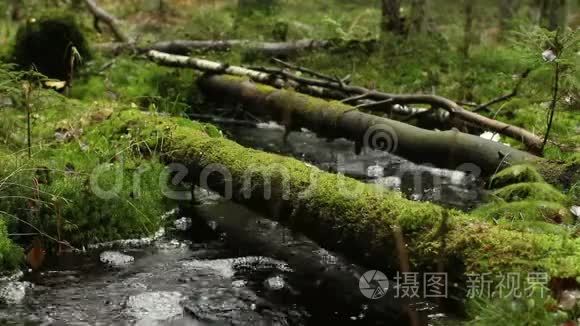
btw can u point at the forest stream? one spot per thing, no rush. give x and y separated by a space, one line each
286 162
223 264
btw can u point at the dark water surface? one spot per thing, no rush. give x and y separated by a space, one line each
417 182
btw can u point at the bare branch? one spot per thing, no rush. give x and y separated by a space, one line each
102 15
283 78
505 97
184 47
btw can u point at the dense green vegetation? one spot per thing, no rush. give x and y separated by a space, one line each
52 191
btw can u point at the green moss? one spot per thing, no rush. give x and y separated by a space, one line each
563 173
530 191
515 174
574 193
145 84
351 217
535 309
10 254
212 131
528 210
98 186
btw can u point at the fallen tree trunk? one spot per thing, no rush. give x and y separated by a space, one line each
337 89
323 276
185 47
426 117
447 149
346 215
170 60
386 100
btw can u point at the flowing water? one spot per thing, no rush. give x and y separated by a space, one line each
232 266
460 189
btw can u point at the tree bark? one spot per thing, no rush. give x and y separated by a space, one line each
419 16
447 149
343 214
391 17
507 9
15 10
557 14
543 11
467 27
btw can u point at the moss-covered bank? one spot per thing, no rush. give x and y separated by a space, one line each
81 186
10 253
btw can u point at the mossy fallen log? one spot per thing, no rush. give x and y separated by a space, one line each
447 149
343 214
330 87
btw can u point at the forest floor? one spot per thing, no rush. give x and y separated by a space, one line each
413 64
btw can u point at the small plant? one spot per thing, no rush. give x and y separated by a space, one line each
23 89
355 30
525 310
553 55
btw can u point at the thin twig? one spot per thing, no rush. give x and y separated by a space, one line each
553 103
355 98
223 121
374 104
309 71
505 97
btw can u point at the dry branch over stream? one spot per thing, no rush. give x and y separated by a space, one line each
333 89
448 149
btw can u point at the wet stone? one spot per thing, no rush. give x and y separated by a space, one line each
239 283
182 224
234 306
275 283
375 171
392 183
116 259
149 307
13 292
